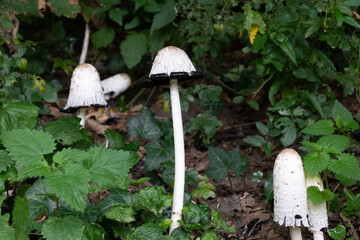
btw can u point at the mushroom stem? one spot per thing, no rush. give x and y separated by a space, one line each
179 182
81 114
318 235
85 44
295 233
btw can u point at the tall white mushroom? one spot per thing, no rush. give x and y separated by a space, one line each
85 91
317 213
115 85
172 64
290 198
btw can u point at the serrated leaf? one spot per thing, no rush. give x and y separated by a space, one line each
56 228
116 140
117 15
117 197
155 199
6 231
17 115
351 21
5 160
70 185
288 49
149 231
103 37
321 127
65 130
204 191
68 155
340 114
133 48
90 213
346 165
122 214
315 162
144 126
335 144
93 231
20 218
254 140
317 197
165 16
65 8
314 102
289 135
351 3
157 154
338 233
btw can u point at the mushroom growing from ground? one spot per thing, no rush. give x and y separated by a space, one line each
115 85
171 65
290 198
85 91
317 213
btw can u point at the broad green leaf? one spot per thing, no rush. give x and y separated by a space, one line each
117 15
343 118
346 165
156 153
317 197
210 235
35 169
338 233
65 130
262 128
335 144
144 125
259 42
117 197
69 228
14 115
5 160
253 104
107 166
70 185
122 214
103 37
28 146
198 214
204 190
155 199
351 21
313 102
324 59
116 140
254 140
220 223
65 8
158 37
148 231
165 16
321 127
352 204
93 231
288 49
90 213
21 6
6 231
253 18
351 3
133 48
289 135
315 162
20 218
68 155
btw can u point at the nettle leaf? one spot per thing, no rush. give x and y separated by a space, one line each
343 118
338 233
116 140
155 199
103 37
157 153
133 48
122 214
165 16
5 160
70 185
65 130
144 125
93 231
17 115
69 228
117 197
315 162
317 197
149 231
107 166
6 231
346 165
20 217
90 213
335 144
65 8
321 127
68 155
352 204
117 15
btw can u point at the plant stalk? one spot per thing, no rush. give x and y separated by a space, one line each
81 114
295 233
85 44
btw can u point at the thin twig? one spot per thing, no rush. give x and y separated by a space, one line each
134 98
353 230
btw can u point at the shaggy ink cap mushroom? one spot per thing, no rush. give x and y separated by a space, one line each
85 89
115 85
290 198
171 62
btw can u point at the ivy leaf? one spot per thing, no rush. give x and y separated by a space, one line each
335 144
70 185
144 125
20 217
321 127
17 115
165 16
157 154
122 214
69 228
6 231
315 162
346 165
103 37
155 199
65 8
5 160
317 197
133 48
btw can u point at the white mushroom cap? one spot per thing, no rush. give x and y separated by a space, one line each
85 89
171 60
115 85
290 198
317 213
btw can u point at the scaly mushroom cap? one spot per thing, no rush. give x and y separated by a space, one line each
317 213
290 198
171 62
85 89
115 85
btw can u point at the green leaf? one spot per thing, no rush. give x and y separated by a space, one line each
144 125
93 231
155 199
343 118
315 162
262 128
148 231
351 3
315 25
65 130
68 155
165 16
210 235
317 197
254 140
56 228
219 223
204 190
17 115
321 127
351 21
338 233
335 144
313 102
157 154
289 135
65 8
133 48
268 188
91 212
288 49
117 197
352 203
103 37
20 217
196 214
346 165
70 185
117 15
259 42
6 231
324 59
116 140
253 104
5 161
122 214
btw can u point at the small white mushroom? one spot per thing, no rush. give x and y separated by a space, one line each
85 91
290 198
115 85
317 213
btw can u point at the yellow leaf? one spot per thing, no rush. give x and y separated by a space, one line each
254 30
